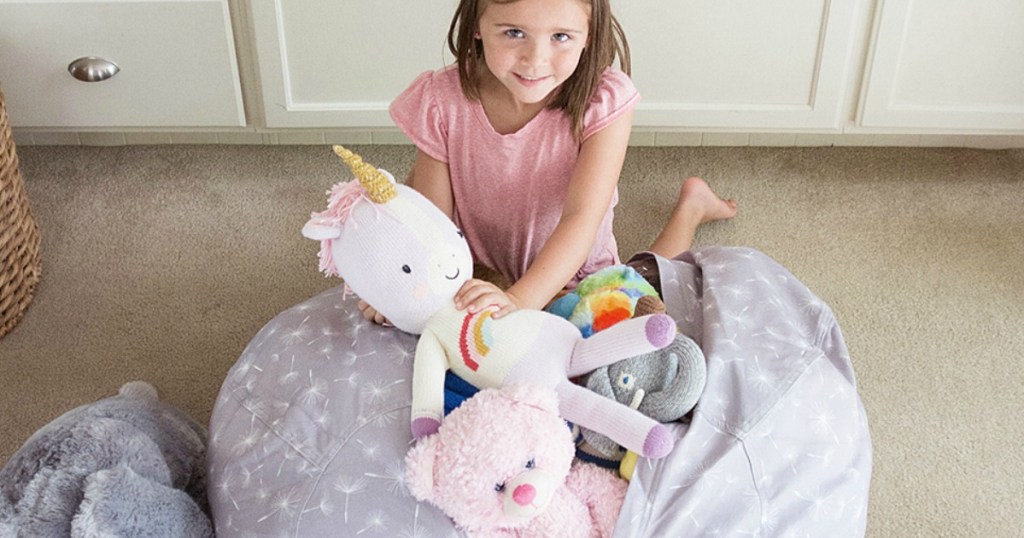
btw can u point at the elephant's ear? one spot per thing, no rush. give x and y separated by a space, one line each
682 392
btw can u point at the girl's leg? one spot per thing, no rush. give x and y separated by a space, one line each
697 204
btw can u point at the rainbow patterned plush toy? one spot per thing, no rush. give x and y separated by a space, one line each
603 299
405 257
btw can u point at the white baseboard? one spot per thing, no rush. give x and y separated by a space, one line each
639 137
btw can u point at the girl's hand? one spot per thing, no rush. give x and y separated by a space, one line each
370 314
476 295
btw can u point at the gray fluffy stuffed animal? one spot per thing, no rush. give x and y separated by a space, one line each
128 465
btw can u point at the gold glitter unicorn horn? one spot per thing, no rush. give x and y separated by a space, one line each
378 187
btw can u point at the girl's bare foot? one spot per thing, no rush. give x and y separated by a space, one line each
696 196
697 204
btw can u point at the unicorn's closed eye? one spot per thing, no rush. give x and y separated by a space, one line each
402 255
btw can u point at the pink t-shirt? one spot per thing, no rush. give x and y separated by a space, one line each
509 189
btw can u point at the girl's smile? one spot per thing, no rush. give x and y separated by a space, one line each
531 81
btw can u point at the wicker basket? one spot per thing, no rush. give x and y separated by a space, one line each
20 264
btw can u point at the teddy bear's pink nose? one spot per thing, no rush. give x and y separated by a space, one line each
524 494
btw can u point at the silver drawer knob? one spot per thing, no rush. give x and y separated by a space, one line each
92 69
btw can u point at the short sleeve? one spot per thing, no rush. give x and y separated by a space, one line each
417 113
614 96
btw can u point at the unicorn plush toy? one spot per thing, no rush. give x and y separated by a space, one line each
405 257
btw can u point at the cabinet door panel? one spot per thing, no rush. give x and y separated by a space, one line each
945 64
739 64
327 63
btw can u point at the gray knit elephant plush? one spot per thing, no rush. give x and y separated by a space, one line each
128 465
664 385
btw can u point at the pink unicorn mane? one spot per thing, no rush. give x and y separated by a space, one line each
340 200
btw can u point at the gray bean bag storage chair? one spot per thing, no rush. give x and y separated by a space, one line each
311 426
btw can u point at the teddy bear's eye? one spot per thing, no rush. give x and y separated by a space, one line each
406 269
499 487
626 381
531 464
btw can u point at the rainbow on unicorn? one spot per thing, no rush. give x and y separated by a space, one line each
402 255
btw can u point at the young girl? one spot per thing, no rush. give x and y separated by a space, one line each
522 140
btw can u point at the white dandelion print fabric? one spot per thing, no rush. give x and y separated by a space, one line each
311 427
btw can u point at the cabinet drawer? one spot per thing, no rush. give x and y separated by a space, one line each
176 58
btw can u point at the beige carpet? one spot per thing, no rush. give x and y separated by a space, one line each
161 262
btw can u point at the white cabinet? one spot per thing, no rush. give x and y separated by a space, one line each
946 64
822 67
176 58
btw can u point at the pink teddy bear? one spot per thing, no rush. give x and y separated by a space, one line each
502 465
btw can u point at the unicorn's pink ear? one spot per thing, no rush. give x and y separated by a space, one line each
419 467
320 228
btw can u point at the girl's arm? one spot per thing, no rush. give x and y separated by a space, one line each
431 178
590 192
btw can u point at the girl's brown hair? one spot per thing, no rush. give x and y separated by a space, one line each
605 43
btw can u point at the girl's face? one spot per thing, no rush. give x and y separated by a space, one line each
533 46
